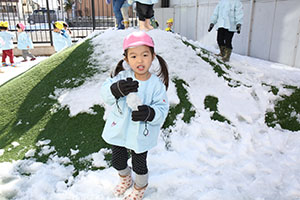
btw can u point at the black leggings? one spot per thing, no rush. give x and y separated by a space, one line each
224 37
120 157
144 11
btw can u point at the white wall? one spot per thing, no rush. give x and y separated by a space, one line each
272 33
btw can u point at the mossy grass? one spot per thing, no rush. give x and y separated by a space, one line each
286 111
219 67
211 103
184 106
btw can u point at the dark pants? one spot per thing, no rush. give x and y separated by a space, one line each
224 37
117 4
144 11
9 53
120 157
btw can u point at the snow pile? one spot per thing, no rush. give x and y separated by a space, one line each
206 161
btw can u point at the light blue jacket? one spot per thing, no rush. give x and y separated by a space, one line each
24 41
119 128
7 38
148 2
228 14
67 36
59 41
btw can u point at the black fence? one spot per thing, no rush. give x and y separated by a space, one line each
83 16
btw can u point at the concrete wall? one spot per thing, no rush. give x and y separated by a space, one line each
270 31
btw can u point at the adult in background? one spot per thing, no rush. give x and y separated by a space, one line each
117 5
228 18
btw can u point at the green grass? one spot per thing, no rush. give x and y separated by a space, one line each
184 105
211 103
219 67
29 114
286 109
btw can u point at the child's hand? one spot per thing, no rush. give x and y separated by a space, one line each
210 27
144 113
27 47
124 87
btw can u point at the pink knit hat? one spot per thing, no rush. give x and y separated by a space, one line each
22 26
137 39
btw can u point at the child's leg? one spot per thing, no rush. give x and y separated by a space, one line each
139 165
119 162
24 54
4 56
141 10
11 55
125 15
148 24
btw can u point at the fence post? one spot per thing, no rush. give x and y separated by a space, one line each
93 15
49 22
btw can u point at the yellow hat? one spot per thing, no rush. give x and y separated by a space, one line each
59 25
170 20
4 24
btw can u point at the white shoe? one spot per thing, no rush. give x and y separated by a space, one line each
125 183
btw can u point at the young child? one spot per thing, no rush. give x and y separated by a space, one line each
131 127
145 12
59 41
170 24
125 14
228 18
66 32
7 48
1 44
24 43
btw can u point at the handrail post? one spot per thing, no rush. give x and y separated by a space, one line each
49 22
93 15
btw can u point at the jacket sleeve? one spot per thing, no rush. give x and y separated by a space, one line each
215 16
239 13
160 105
105 92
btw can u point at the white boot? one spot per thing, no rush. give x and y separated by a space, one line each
125 183
136 194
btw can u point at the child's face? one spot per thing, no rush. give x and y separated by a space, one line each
140 59
56 30
170 24
20 30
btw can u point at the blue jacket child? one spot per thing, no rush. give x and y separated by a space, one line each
139 107
59 41
24 43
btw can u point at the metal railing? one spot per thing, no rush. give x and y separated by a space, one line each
83 17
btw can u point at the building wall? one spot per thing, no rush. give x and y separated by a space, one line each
101 8
270 31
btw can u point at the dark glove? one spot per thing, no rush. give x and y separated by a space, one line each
144 113
210 27
124 87
238 28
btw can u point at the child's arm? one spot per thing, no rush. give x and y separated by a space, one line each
113 89
157 111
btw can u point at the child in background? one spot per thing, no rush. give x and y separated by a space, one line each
1 44
130 127
66 32
170 24
7 48
145 12
59 41
125 14
24 43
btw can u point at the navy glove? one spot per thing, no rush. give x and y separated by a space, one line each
124 87
210 27
238 28
144 113
107 1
